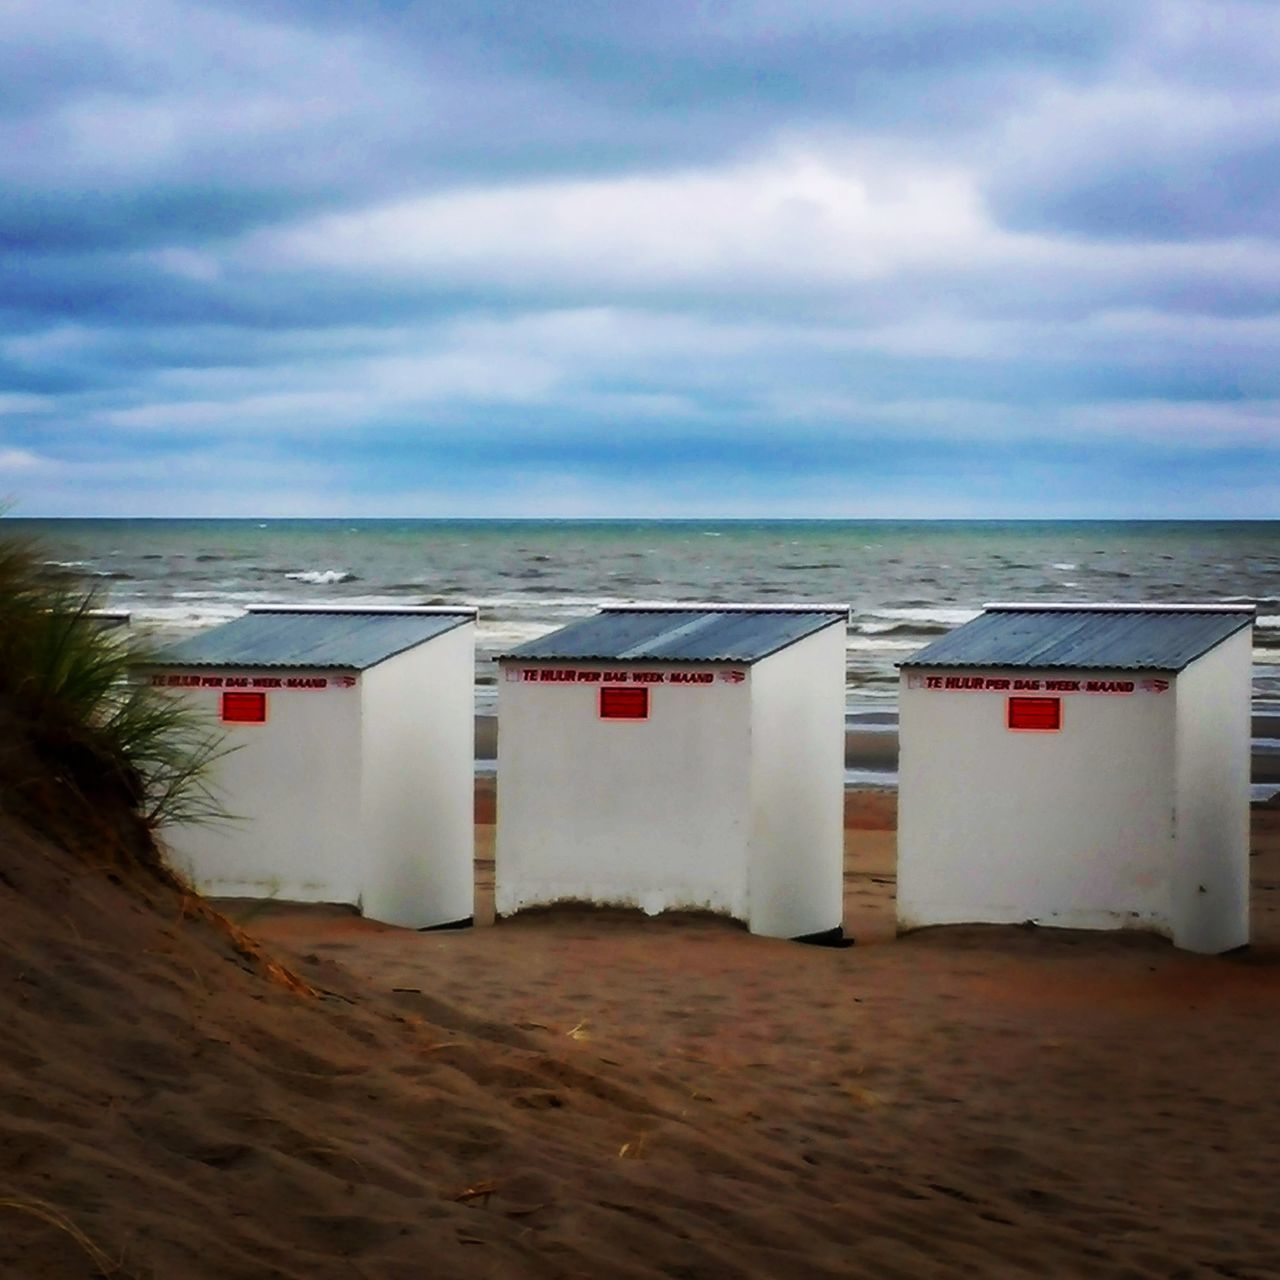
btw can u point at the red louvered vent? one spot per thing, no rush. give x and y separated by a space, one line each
1041 714
624 704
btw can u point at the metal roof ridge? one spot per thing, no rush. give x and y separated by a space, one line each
700 606
1114 607
390 610
683 631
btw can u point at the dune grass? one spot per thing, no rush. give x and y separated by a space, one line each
69 687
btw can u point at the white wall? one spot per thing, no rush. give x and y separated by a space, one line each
1210 879
294 784
652 814
417 843
1074 828
797 802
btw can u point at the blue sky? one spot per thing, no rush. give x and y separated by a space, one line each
575 258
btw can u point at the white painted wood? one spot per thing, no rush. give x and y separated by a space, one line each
359 792
1134 815
727 798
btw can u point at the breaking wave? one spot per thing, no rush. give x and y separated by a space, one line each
323 577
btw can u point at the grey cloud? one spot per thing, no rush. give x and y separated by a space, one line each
1138 193
172 124
672 79
139 161
1177 143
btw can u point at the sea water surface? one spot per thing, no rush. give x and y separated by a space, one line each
906 582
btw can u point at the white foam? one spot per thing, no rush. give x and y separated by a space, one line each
871 778
192 616
878 644
950 617
322 577
498 635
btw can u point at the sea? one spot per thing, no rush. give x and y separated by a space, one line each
905 582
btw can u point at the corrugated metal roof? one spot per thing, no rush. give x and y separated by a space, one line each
704 634
1117 638
349 639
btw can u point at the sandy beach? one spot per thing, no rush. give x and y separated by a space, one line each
581 1093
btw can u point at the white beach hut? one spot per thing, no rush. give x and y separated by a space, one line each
683 757
1085 766
351 776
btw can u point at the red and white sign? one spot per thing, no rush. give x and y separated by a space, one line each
575 675
210 680
1032 684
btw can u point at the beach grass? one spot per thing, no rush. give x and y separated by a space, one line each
70 689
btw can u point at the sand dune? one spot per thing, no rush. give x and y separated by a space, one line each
588 1093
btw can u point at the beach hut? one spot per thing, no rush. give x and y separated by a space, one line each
1085 766
683 757
351 773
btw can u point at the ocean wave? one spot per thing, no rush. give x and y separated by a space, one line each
948 616
530 599
878 644
195 615
902 628
323 577
83 569
494 637
1065 567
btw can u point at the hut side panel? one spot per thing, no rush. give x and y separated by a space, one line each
1211 876
293 785
419 745
650 813
797 759
1073 827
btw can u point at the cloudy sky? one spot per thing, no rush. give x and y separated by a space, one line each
669 257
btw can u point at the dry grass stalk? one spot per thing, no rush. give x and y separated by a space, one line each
477 1191
55 1218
